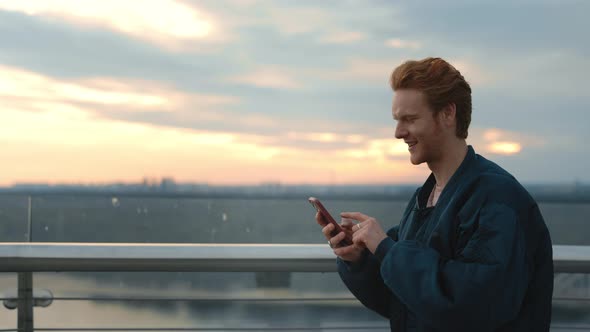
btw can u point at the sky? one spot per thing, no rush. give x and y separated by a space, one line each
293 92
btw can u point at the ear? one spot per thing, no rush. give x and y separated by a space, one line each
448 115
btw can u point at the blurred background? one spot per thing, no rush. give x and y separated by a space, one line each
213 121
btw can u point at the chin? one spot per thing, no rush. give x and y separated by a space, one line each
416 159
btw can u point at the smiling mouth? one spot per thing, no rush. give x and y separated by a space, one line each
410 145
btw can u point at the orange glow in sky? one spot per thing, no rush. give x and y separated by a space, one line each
506 148
52 133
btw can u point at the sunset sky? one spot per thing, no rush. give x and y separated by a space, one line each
296 92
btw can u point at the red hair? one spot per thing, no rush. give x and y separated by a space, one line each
441 83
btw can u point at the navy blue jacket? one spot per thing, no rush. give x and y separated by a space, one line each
481 261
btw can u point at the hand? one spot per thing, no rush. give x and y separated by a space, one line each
367 232
351 253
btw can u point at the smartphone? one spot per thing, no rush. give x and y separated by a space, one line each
328 217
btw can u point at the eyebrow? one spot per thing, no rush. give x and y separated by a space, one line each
405 116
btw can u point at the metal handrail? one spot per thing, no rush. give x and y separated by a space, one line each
221 329
39 257
44 257
210 329
26 258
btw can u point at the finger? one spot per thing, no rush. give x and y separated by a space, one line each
337 239
327 230
320 219
359 241
343 251
360 245
358 237
355 216
356 227
347 224
348 250
345 221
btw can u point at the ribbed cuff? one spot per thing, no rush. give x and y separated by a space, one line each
383 248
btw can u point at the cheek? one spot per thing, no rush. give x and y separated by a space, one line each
429 131
418 130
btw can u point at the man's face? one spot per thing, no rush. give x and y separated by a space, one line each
417 126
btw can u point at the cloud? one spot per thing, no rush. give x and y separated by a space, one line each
555 73
380 150
96 118
75 146
476 74
159 104
505 148
269 77
498 28
72 52
288 19
167 23
54 120
400 43
307 80
22 84
504 142
378 70
347 37
315 137
29 87
120 101
360 69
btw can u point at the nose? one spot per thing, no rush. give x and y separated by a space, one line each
400 131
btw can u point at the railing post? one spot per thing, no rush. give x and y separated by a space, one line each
29 230
25 282
25 301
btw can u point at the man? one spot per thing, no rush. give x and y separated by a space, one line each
472 251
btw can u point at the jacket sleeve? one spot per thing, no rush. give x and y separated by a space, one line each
482 288
364 280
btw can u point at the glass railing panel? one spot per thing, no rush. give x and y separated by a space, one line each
121 218
244 299
186 220
567 222
13 228
13 218
212 300
571 300
8 290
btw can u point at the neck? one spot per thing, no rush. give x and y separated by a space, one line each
450 158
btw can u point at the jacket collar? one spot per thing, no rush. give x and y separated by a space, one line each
453 182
